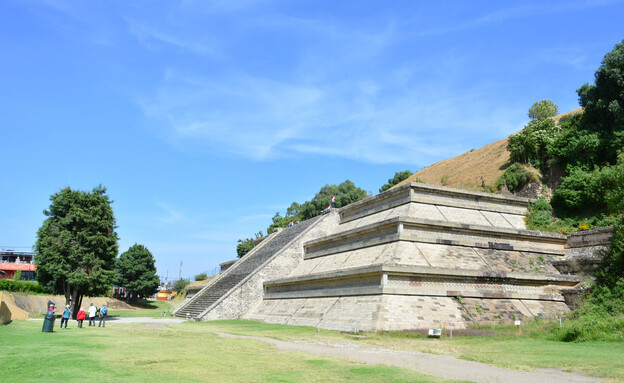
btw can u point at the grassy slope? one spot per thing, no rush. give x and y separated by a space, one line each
488 162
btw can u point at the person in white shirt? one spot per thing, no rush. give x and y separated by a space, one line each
92 312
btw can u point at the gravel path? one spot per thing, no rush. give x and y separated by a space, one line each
439 365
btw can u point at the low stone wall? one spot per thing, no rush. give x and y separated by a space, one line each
400 312
38 304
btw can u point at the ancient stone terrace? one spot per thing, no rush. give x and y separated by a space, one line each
421 256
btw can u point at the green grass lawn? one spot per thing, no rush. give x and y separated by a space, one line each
150 309
601 359
184 352
192 351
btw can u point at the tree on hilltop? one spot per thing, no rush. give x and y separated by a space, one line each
543 109
77 245
398 178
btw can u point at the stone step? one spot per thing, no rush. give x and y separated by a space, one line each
240 270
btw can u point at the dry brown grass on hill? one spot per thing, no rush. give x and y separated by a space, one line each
472 169
469 170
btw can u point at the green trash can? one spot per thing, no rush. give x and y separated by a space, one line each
48 322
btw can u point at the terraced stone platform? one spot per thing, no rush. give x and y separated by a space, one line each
421 256
416 256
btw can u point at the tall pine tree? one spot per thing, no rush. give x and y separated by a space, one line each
77 245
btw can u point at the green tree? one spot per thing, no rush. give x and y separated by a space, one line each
541 110
244 246
136 270
181 284
532 144
604 103
77 245
398 177
346 193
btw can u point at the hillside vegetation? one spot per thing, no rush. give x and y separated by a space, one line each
576 160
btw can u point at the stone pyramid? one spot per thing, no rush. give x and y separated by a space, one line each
421 256
417 256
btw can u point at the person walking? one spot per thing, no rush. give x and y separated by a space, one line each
103 313
81 316
92 313
65 317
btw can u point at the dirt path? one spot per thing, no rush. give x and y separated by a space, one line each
439 365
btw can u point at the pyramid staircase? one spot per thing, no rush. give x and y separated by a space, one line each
227 282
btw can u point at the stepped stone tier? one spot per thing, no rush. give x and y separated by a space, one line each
416 256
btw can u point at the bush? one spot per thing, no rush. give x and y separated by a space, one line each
181 284
515 177
21 286
201 277
532 144
582 193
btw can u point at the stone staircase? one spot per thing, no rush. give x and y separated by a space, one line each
227 282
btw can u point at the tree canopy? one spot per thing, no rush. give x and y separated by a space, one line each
136 270
77 245
541 110
604 103
345 193
398 177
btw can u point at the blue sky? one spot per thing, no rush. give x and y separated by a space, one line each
205 118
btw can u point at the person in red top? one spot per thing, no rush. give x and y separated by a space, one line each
82 314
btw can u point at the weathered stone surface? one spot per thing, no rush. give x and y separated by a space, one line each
417 256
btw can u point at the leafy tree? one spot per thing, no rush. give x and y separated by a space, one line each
398 177
181 284
201 277
541 110
532 144
598 192
77 245
345 193
137 272
604 103
244 246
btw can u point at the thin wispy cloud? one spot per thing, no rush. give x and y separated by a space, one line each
264 120
154 38
517 12
172 216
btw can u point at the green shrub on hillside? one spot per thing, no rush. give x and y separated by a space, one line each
21 286
584 193
601 314
515 177
532 144
540 217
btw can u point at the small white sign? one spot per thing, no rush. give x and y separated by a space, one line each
517 323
